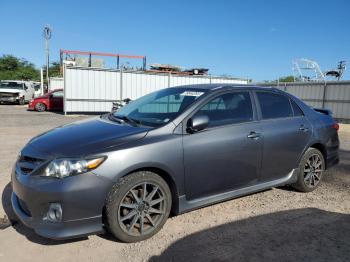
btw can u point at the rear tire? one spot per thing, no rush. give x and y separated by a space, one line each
312 167
40 107
138 206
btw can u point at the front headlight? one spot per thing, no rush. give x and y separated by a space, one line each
61 168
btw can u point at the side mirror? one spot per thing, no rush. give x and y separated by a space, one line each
197 123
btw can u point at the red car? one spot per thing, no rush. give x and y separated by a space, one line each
50 101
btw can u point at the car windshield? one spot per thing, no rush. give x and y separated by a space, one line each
160 107
11 85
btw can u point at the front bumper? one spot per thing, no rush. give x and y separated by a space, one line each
31 105
8 99
82 198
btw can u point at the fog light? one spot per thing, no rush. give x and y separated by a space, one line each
55 213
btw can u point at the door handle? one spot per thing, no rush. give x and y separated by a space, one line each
303 128
253 135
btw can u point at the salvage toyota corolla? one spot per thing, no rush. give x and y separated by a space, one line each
173 150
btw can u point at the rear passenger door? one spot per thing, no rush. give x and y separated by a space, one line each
285 131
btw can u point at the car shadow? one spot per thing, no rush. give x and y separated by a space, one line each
22 229
296 235
344 163
301 216
335 175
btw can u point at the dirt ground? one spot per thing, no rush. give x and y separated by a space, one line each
275 225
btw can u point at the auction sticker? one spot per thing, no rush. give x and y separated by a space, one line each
191 93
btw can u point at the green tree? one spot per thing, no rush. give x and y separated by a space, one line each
54 70
13 68
286 79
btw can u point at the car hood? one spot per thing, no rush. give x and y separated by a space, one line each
10 90
85 137
41 97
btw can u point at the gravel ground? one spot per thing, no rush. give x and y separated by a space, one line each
278 224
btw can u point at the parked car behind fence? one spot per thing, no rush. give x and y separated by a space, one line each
20 92
52 101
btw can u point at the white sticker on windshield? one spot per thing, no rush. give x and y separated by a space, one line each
191 93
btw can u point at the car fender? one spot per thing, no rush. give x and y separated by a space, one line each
176 183
310 144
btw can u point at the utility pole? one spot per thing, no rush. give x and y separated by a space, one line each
47 35
41 81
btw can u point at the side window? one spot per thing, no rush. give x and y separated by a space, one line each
274 105
228 108
296 109
57 94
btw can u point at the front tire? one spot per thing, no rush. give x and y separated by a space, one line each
40 107
312 167
21 101
138 206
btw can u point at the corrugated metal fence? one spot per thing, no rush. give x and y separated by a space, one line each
94 90
333 95
56 83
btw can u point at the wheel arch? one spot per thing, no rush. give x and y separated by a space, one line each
319 146
168 179
322 148
42 102
45 102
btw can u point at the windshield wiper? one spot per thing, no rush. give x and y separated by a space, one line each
127 119
113 118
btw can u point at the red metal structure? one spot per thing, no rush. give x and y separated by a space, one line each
90 54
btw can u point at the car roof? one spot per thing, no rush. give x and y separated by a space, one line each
222 86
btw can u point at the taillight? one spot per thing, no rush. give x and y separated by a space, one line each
336 126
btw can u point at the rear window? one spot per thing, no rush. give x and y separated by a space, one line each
274 105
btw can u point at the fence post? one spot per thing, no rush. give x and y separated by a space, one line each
121 84
169 75
64 90
324 94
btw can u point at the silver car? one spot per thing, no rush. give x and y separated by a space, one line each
173 150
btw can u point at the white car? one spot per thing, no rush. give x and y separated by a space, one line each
13 91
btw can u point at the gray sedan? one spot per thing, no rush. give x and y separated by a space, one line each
173 150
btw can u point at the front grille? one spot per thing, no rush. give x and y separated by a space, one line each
2 94
28 164
24 207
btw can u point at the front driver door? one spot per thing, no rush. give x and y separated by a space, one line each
225 156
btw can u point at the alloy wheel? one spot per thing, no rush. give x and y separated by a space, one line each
313 170
40 107
142 209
